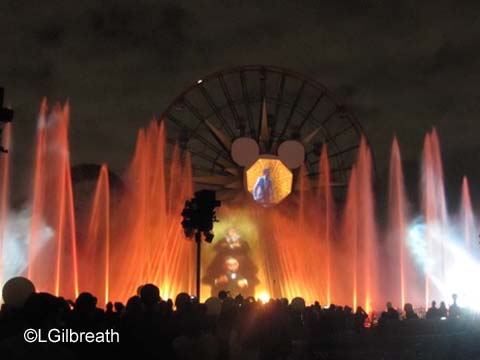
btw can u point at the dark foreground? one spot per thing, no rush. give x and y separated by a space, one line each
224 328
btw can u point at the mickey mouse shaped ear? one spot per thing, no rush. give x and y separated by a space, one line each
292 153
245 151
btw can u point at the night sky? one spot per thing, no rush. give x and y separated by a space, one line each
400 66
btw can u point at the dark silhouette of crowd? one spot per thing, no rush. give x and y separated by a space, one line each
232 328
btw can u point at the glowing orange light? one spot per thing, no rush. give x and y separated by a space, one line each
281 178
263 297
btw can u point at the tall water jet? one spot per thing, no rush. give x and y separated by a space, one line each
147 223
368 232
466 216
397 216
303 188
350 236
440 198
435 213
360 230
327 213
52 203
37 196
95 252
4 193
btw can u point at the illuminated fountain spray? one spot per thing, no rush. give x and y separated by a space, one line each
327 214
53 268
140 240
350 239
397 216
4 192
94 255
467 219
149 242
360 231
435 213
135 237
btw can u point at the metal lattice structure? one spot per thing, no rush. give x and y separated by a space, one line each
215 110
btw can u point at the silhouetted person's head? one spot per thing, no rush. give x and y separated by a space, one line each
16 291
150 294
222 295
389 305
42 310
434 303
86 302
134 308
118 307
182 301
214 306
454 297
298 304
109 307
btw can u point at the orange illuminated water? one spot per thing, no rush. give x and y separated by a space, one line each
137 242
4 192
326 219
94 253
350 240
307 246
53 267
397 218
434 210
360 232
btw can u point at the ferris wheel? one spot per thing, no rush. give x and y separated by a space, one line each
269 105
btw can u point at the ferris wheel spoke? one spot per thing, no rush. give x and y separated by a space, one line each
246 99
281 89
308 138
343 151
230 102
216 111
194 134
211 160
215 180
202 121
292 109
263 87
219 135
310 111
332 114
210 114
342 131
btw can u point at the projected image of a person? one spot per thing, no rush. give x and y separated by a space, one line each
232 267
232 278
263 188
